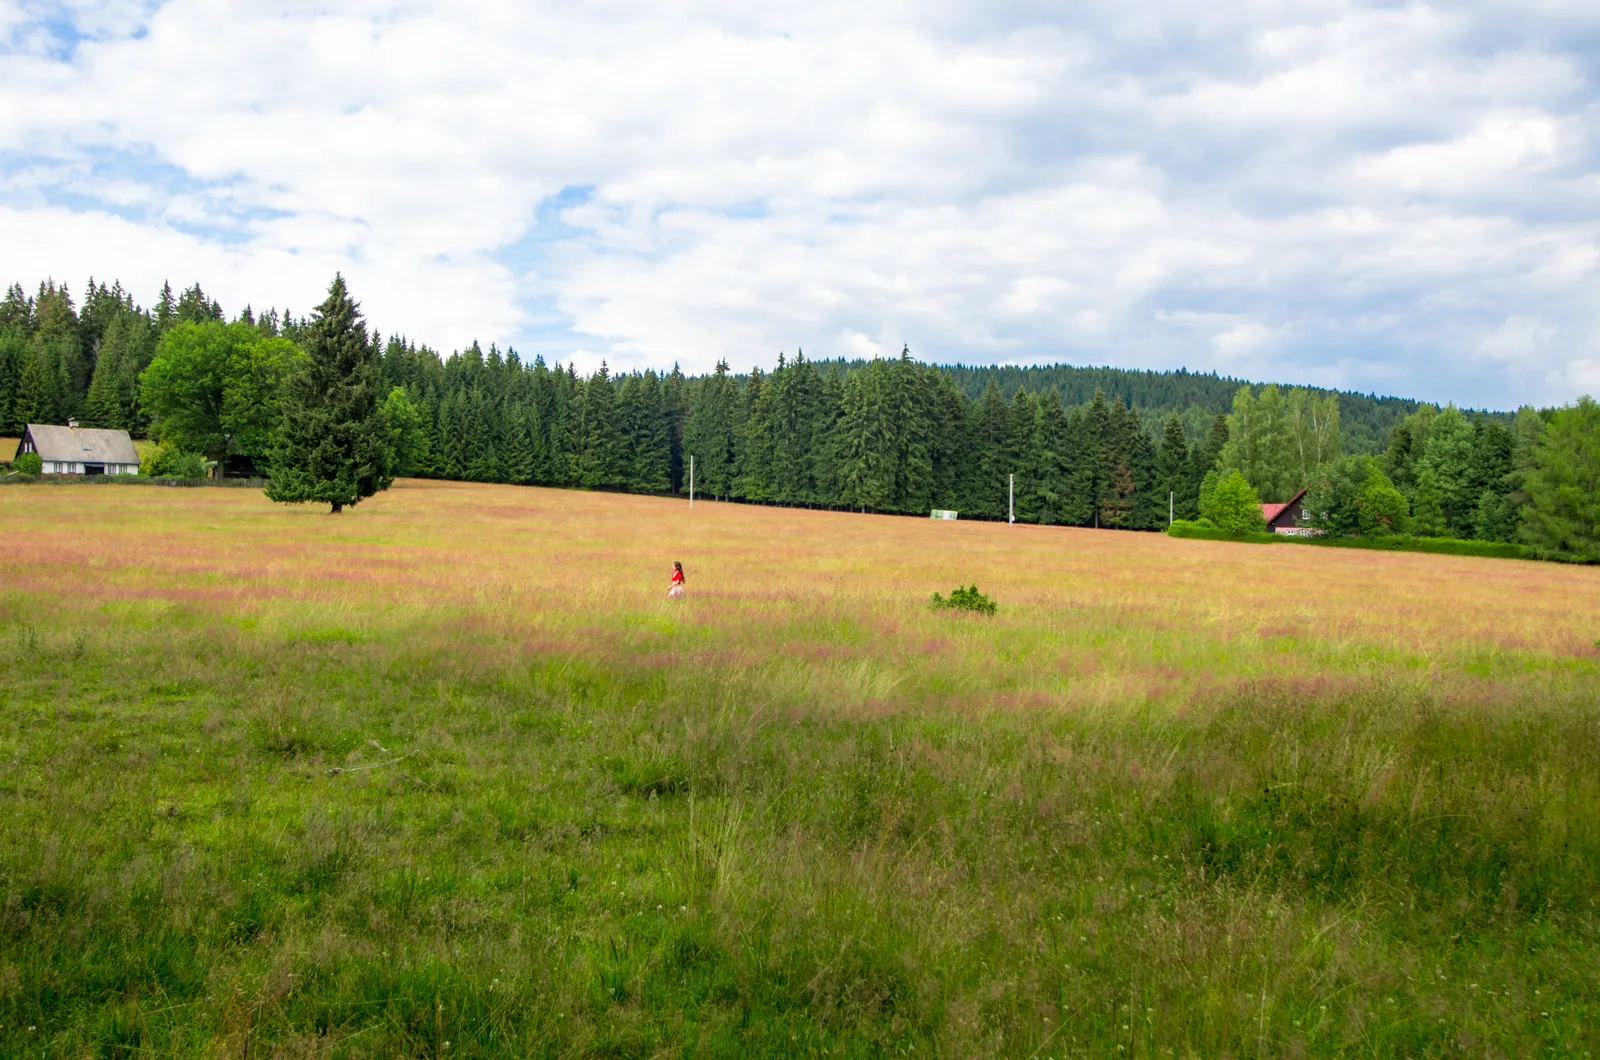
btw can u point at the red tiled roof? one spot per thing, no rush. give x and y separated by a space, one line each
1270 512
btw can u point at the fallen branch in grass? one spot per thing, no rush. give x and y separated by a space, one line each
336 770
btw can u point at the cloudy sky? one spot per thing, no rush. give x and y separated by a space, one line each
1393 197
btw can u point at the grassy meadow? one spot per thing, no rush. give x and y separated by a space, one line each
447 775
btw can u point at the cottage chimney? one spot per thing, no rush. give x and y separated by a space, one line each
73 424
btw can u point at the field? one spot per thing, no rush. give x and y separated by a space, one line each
446 775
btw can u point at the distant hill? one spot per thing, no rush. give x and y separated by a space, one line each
1364 419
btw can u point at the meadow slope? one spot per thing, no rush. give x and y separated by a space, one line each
447 776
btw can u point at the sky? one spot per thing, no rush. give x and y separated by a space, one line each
1399 198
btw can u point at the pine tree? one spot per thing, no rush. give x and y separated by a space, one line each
13 348
483 438
16 312
1172 470
791 397
1047 488
1021 457
1099 456
167 309
1149 505
522 461
58 346
709 433
35 398
562 440
948 417
753 439
822 454
675 408
1079 456
866 442
652 448
909 416
193 306
332 445
103 406
1120 482
450 450
599 448
986 498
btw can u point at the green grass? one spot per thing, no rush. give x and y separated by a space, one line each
446 776
328 843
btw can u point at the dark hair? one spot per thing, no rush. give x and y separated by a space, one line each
679 568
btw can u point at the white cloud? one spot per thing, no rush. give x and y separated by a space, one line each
1321 191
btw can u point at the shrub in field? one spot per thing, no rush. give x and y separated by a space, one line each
172 462
1233 505
28 464
968 599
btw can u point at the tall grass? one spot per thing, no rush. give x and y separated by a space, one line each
446 776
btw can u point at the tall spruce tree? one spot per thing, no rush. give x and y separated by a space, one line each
35 398
58 346
1172 471
1047 488
332 444
1022 456
13 348
600 457
990 432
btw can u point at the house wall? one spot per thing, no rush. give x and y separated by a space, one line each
56 467
1288 520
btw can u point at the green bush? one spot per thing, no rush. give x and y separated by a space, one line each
968 599
172 462
28 464
1233 505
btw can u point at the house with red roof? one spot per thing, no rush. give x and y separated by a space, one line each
1287 518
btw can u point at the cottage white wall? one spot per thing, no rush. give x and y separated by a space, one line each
52 467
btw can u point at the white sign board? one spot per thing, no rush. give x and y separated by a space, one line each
940 513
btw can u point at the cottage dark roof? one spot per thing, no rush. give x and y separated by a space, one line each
1270 512
82 445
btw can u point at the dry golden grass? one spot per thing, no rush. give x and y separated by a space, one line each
1086 616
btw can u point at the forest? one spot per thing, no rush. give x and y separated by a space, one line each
1058 445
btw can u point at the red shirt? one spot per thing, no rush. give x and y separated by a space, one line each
677 577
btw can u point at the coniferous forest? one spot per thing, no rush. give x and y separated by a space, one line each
1086 446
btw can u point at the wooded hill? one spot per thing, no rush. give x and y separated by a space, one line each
1196 398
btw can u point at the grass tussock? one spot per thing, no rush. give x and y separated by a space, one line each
407 783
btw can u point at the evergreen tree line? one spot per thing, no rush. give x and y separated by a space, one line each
889 435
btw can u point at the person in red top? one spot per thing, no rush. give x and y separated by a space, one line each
676 590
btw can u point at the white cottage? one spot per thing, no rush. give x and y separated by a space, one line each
74 450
